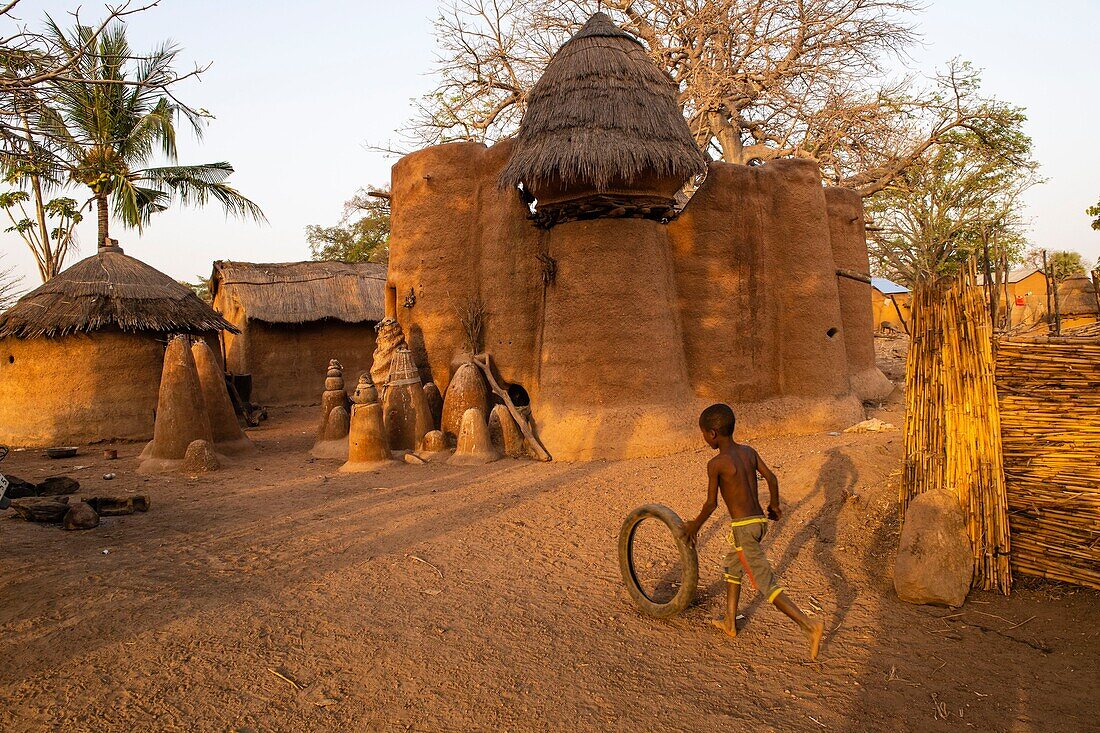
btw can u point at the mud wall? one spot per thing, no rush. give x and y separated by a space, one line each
78 389
288 361
621 329
849 244
457 238
756 283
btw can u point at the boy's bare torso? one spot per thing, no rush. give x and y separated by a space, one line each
737 482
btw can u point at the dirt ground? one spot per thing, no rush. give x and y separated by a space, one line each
438 598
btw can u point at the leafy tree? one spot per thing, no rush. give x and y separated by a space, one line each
110 116
361 235
961 197
201 288
48 231
1062 264
758 79
1094 211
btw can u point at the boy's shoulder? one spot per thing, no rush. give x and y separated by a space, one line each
721 460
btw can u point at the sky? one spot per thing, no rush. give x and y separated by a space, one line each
300 95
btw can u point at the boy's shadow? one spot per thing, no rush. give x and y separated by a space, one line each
837 475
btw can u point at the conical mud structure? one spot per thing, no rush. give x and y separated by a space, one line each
405 409
505 433
332 435
603 131
474 445
228 436
435 403
181 411
368 447
466 391
389 338
365 392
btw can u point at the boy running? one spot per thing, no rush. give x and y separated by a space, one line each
733 473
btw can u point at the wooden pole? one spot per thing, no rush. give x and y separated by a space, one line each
1057 304
1046 277
900 316
483 361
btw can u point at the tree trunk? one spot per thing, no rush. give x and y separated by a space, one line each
103 218
728 136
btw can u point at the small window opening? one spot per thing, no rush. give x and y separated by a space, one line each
518 395
832 332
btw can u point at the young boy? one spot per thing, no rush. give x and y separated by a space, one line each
733 473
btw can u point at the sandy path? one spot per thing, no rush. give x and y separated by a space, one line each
280 563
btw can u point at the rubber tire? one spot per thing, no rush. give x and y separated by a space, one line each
689 578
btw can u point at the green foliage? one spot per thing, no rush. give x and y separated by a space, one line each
1066 264
1094 212
201 288
361 235
50 237
961 197
110 118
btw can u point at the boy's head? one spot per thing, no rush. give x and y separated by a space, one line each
717 421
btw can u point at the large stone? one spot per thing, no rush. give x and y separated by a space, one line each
474 445
466 391
58 486
935 562
200 458
80 516
41 508
18 488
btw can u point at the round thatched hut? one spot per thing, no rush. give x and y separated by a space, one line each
603 134
81 356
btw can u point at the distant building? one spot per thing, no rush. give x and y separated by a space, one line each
295 316
890 304
81 355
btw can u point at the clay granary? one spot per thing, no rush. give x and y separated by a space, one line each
81 356
295 316
617 312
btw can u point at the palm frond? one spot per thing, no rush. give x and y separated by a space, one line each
196 185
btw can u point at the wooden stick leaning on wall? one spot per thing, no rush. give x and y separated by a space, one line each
484 363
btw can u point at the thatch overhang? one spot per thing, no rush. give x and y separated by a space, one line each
602 112
298 292
110 290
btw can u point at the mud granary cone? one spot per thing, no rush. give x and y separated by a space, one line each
335 421
228 436
474 445
181 411
368 448
406 411
365 391
505 433
466 391
388 339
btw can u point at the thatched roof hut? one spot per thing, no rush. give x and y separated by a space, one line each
109 290
295 316
603 119
81 356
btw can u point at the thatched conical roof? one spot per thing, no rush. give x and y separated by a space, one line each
602 111
110 289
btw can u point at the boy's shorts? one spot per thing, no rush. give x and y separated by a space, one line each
746 556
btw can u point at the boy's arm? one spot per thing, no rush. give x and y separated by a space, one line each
692 528
774 512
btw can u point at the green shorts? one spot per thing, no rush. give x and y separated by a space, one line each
746 556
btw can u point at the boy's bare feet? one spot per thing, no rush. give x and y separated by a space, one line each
729 629
817 628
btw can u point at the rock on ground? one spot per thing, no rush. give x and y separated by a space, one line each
80 516
935 562
200 458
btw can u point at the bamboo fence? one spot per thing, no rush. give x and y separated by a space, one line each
1050 424
952 420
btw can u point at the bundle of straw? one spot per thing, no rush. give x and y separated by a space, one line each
952 421
1050 424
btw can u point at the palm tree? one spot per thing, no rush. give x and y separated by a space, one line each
112 116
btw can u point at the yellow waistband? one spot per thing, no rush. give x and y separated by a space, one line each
748 520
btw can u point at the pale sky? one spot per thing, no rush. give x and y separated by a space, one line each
300 89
